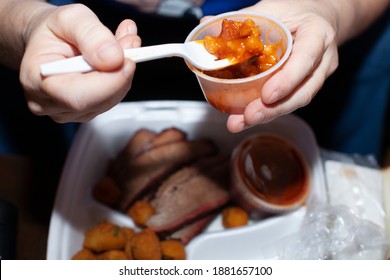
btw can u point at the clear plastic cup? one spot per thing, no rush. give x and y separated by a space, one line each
270 175
231 96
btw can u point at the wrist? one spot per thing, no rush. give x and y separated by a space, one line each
15 19
34 19
348 18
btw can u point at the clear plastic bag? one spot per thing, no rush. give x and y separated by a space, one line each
350 224
334 232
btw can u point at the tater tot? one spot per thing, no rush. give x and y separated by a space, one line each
172 250
84 254
234 217
104 236
106 191
145 245
128 250
127 232
112 255
140 212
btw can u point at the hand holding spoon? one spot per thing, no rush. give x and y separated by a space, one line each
193 51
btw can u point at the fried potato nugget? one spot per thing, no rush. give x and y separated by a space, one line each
234 216
140 212
172 250
127 232
84 254
128 250
145 245
104 236
112 255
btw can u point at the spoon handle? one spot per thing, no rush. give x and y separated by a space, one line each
68 65
80 65
154 52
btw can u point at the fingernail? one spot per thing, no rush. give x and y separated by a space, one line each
136 44
272 99
127 69
240 126
107 51
258 117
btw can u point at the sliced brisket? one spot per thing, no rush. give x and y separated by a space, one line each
146 171
190 193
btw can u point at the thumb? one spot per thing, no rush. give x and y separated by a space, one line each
81 27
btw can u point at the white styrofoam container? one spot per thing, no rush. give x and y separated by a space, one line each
101 139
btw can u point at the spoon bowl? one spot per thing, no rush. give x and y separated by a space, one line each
194 51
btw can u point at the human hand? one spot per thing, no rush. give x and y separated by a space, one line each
313 59
56 33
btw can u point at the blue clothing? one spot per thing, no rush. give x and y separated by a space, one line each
369 100
215 7
61 2
350 113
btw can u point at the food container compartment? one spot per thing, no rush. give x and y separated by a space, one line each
101 139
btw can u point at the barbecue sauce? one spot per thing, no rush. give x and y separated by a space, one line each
273 170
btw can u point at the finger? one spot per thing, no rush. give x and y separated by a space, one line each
205 18
259 112
236 123
310 44
302 61
126 34
91 91
126 27
41 105
130 41
65 117
81 27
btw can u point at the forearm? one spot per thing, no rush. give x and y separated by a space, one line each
354 16
16 19
348 17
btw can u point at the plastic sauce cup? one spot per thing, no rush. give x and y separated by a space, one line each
231 96
269 175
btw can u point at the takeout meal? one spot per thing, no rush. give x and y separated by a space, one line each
166 182
240 41
173 187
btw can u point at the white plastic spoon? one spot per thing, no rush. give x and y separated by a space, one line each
193 51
